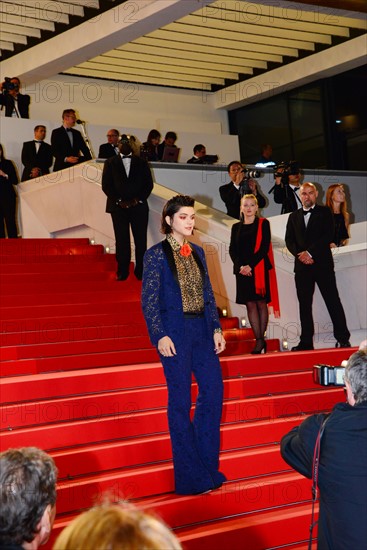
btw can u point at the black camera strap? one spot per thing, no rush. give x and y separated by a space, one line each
315 477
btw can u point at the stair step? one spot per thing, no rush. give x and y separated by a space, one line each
141 481
278 362
47 386
74 462
8 353
263 530
77 362
133 423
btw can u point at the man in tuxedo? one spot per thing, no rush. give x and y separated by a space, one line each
110 149
308 236
287 186
16 104
68 145
37 155
232 192
199 154
127 182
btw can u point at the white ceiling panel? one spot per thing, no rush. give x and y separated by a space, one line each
197 45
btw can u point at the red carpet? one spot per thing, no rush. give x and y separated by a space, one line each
81 380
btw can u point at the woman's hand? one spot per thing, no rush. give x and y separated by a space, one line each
246 270
219 342
166 347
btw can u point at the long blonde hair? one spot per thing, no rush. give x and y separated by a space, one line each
343 205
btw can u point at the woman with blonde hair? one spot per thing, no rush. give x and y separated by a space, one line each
253 265
116 527
335 200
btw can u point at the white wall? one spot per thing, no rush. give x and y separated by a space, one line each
125 104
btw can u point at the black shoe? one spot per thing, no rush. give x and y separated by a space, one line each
260 347
139 276
121 277
302 347
343 344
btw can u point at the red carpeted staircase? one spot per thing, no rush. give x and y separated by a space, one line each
81 380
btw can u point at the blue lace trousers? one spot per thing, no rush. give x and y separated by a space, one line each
195 442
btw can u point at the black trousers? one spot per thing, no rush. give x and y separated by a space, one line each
7 217
136 218
305 285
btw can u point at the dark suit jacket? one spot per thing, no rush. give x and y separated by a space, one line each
116 185
286 197
161 294
23 104
315 238
31 159
232 199
342 477
106 151
61 147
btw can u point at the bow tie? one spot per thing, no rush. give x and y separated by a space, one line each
68 129
305 212
126 156
296 189
37 141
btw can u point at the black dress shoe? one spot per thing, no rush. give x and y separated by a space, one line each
302 347
343 344
139 276
121 277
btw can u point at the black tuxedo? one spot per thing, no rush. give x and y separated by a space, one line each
62 148
106 151
127 203
231 196
8 199
316 239
23 104
32 159
284 195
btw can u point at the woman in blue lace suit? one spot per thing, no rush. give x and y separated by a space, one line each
182 319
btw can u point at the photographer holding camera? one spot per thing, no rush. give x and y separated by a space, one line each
242 183
332 450
16 104
287 179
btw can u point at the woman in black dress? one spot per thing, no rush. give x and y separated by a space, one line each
335 200
249 250
8 198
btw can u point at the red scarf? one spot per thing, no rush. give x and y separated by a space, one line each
259 273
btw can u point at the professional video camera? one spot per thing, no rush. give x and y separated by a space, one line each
8 85
285 169
325 375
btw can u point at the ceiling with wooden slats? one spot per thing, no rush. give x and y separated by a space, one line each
220 44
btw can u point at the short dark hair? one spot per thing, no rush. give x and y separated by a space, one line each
171 135
27 486
39 126
198 148
68 112
171 208
232 163
153 134
356 375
